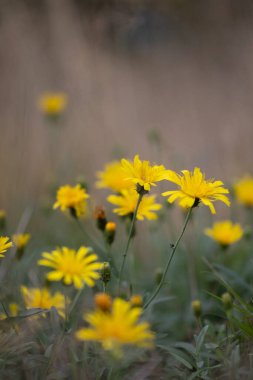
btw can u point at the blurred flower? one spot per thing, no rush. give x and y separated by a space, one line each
244 191
77 267
227 301
4 244
113 177
127 201
72 198
21 240
53 104
118 327
42 298
194 188
142 173
103 301
225 232
13 311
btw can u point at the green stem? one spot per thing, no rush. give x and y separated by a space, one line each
129 238
159 286
77 296
91 238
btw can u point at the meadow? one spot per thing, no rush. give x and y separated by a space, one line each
126 197
151 283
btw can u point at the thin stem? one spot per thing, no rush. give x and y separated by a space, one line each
89 237
77 296
129 237
159 286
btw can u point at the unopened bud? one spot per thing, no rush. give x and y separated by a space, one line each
227 301
158 275
110 230
197 308
105 273
103 301
2 219
100 216
136 300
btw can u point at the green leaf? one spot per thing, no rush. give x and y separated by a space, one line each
200 338
182 357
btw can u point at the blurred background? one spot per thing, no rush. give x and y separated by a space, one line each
171 80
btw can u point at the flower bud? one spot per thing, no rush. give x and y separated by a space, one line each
103 301
158 275
100 216
2 220
136 300
227 301
110 230
197 308
105 273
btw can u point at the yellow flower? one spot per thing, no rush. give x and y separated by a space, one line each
53 104
72 198
127 201
142 173
4 244
113 177
244 191
2 214
77 267
225 232
118 327
194 188
21 240
43 299
13 311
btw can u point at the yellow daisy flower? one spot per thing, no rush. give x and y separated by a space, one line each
225 232
72 198
78 267
113 177
4 244
244 191
21 240
53 104
127 201
117 327
194 188
142 173
43 299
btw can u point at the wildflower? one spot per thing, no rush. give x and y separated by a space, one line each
72 198
142 173
53 104
4 244
225 232
197 308
43 299
21 240
117 327
103 301
194 188
13 311
244 191
110 231
113 177
127 201
78 267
